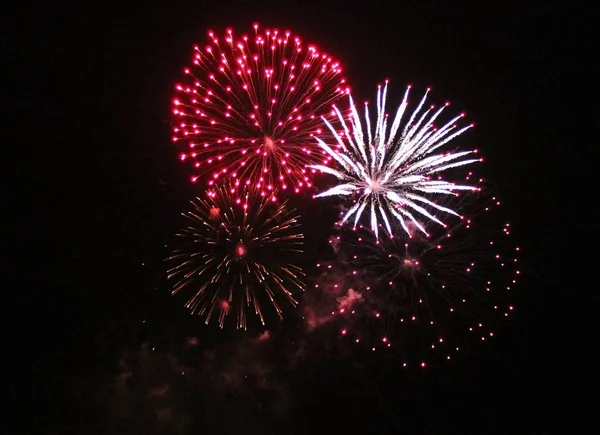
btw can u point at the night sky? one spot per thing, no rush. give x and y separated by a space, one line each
100 340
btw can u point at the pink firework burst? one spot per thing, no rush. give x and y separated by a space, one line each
425 297
251 106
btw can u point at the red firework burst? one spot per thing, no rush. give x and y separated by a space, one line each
422 296
251 106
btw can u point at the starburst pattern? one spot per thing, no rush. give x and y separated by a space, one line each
391 170
250 107
240 250
428 296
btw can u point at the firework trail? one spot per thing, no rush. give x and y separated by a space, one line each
250 107
423 295
394 170
239 251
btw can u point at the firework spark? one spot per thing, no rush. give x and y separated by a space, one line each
391 171
240 249
251 105
423 295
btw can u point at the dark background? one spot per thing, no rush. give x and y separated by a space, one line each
95 190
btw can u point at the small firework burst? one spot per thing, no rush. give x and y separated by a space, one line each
240 250
250 107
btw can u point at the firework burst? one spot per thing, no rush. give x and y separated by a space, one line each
239 252
394 171
250 107
423 296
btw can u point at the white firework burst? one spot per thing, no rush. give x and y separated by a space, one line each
391 169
